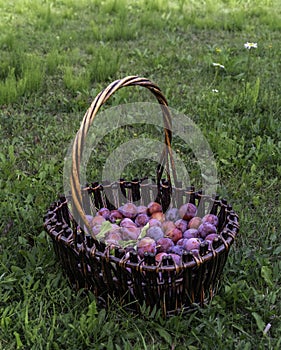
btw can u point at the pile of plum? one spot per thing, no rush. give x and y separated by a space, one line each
148 229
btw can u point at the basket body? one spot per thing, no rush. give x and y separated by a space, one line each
112 275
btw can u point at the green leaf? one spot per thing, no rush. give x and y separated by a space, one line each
259 320
18 340
165 335
143 231
277 251
106 226
125 244
266 274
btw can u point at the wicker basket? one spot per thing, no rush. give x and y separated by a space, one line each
110 273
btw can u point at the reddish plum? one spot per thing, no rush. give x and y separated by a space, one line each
146 244
174 234
154 207
159 216
159 256
104 212
195 222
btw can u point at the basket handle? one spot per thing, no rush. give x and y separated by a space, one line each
101 98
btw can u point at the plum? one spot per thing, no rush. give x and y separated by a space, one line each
155 232
181 241
128 210
211 237
115 215
195 252
126 222
154 207
181 224
130 233
211 218
141 219
172 214
154 222
192 243
146 244
176 258
191 233
187 211
104 212
168 226
141 209
195 222
205 229
164 244
113 237
96 229
159 216
159 256
177 249
97 220
174 234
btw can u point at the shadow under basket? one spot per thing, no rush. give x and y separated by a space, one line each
113 275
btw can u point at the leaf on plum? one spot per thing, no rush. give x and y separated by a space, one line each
106 226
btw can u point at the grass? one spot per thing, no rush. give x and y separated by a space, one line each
55 57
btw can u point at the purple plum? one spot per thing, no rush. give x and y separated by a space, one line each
181 224
115 215
141 219
128 210
191 233
154 232
187 211
172 214
164 244
205 229
126 222
211 218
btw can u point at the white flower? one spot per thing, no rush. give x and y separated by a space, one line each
215 90
251 45
218 65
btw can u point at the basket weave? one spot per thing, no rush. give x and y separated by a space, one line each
109 272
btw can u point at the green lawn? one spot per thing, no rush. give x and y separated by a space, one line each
55 56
